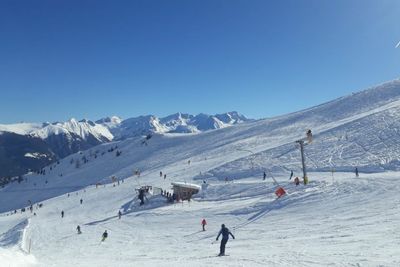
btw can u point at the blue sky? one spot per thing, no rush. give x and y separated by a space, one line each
90 59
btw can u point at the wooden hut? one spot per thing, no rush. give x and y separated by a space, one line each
184 191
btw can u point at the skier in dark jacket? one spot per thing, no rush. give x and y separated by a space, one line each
104 236
62 214
225 236
141 196
78 229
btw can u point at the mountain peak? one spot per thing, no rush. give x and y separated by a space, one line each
112 119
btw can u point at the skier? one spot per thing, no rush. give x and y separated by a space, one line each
104 236
141 196
160 174
309 136
81 201
119 214
296 181
62 214
78 229
203 223
291 175
356 171
264 176
165 176
225 236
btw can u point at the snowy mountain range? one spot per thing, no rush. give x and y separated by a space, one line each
357 114
114 128
337 219
176 123
65 138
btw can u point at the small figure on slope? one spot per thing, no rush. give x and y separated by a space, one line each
62 214
204 223
356 171
119 214
264 176
78 229
225 236
309 136
104 236
141 196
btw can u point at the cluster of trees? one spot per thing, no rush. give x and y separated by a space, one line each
84 159
78 163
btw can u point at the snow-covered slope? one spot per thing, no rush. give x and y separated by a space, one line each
20 128
106 129
368 139
65 138
110 122
137 127
83 129
336 220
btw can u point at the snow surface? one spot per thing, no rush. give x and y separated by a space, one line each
20 128
187 185
338 219
34 155
82 128
110 128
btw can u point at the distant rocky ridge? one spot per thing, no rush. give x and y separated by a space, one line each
60 139
176 123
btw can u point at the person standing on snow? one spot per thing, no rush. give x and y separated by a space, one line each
62 214
264 176
225 236
104 236
78 229
356 171
119 214
81 201
203 223
141 196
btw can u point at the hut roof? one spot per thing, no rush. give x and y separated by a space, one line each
186 185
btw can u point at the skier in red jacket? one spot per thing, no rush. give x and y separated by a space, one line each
203 223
